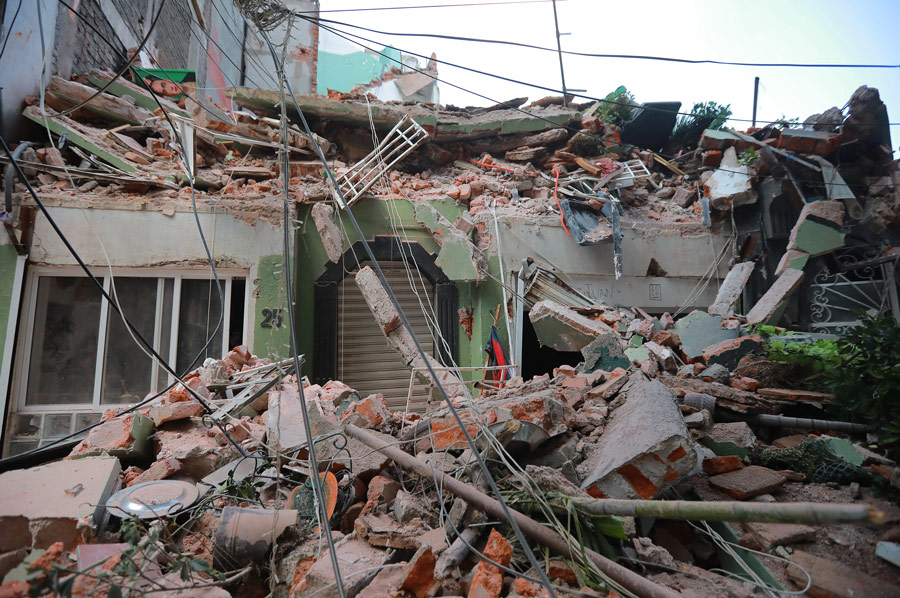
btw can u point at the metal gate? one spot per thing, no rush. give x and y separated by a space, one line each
366 362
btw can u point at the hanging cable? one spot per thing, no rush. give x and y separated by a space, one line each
345 34
595 55
319 491
419 349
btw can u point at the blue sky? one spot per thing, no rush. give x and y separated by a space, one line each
821 31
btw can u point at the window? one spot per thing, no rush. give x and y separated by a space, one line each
80 354
77 358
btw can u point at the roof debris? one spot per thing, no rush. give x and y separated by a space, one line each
658 427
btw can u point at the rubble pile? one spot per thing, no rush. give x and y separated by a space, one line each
210 486
658 409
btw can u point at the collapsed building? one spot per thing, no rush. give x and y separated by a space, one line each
623 286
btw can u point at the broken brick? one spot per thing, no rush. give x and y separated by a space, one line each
748 482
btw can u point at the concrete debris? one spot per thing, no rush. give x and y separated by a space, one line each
332 239
633 460
59 502
731 288
731 184
628 390
771 305
563 329
398 335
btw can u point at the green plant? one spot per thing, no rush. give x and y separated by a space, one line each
818 356
704 115
787 123
617 107
748 157
866 384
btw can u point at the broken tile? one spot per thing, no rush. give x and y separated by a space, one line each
748 482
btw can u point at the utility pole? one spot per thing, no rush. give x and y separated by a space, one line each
562 72
755 98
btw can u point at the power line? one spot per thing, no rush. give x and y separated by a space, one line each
627 56
343 34
463 5
408 326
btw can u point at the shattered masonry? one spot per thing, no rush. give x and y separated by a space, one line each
632 395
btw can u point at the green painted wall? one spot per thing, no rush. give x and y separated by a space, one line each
270 331
343 72
8 257
374 217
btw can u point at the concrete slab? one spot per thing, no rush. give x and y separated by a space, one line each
634 460
771 305
731 288
698 330
564 329
51 503
818 228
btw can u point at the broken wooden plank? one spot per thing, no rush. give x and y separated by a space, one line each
85 137
130 145
122 88
83 173
800 396
590 168
732 398
104 105
445 126
251 172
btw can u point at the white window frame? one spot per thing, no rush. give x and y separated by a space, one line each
29 304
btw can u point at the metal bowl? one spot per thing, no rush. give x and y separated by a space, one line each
151 500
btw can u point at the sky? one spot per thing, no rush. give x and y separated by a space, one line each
796 31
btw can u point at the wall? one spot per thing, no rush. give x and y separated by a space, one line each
685 252
300 62
343 65
175 242
374 217
218 62
20 65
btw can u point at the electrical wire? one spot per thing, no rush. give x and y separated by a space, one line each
12 24
465 5
190 178
132 329
624 56
122 71
319 492
344 34
406 324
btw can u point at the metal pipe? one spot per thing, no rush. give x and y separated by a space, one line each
806 423
726 510
755 98
629 579
562 73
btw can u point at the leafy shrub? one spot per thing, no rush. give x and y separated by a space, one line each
866 383
618 106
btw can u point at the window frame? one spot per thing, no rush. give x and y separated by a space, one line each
29 309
